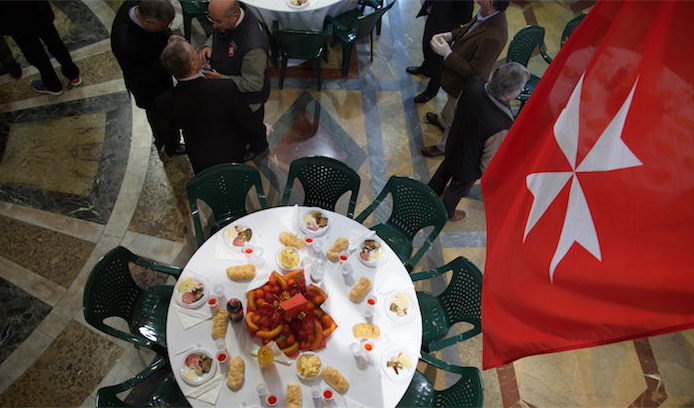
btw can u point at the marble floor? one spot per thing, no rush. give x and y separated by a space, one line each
79 176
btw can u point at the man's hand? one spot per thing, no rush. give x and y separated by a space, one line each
212 74
440 46
206 54
448 37
175 37
268 129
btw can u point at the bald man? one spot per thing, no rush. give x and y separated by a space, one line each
238 50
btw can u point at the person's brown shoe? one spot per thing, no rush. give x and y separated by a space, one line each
433 119
457 215
432 151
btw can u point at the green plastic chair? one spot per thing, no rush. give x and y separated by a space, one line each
570 27
306 45
460 302
350 27
468 391
521 47
111 292
374 4
165 394
224 188
415 206
192 9
527 91
324 180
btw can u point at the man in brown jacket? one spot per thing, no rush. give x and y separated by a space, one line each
476 47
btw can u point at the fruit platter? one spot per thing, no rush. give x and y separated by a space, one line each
287 311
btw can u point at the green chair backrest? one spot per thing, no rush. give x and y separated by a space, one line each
468 391
196 7
301 44
521 47
366 23
324 180
570 27
224 188
462 299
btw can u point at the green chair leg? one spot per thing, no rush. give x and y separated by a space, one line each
187 25
318 72
346 55
283 69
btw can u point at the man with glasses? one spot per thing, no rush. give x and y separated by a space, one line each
238 49
139 34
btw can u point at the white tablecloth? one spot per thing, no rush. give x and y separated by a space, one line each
369 386
308 17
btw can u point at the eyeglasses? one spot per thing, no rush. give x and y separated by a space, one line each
212 20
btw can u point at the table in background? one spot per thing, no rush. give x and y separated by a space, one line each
370 386
308 17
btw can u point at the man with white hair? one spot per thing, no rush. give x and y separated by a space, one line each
482 119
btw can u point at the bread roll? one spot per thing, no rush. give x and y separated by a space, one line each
289 239
236 374
338 246
239 273
360 289
293 397
335 379
366 331
219 324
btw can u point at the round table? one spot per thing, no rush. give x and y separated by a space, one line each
370 385
307 17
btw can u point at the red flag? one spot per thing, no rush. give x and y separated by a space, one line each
590 200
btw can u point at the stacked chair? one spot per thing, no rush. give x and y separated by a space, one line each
300 44
192 9
570 27
520 49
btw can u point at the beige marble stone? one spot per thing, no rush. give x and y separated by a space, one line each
674 353
53 324
5 380
154 248
26 354
73 227
32 283
137 359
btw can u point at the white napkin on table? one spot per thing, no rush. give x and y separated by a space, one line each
357 236
280 357
350 403
209 391
189 317
289 219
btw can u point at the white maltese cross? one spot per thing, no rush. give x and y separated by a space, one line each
609 153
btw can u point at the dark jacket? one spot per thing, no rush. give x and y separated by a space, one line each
475 53
476 119
229 48
446 14
216 122
137 52
24 17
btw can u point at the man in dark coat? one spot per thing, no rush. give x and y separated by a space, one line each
30 23
482 119
139 34
442 16
217 123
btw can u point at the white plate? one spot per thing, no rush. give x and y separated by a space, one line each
304 228
389 299
372 263
320 370
294 6
178 296
203 378
230 233
277 259
403 374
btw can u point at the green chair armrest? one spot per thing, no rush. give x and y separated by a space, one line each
368 210
437 271
428 358
137 340
440 344
287 191
410 264
172 270
545 56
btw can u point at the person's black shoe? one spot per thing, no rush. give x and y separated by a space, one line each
417 71
423 97
15 70
433 119
180 149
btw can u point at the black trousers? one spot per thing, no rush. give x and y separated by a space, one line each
6 58
165 134
452 194
34 53
432 61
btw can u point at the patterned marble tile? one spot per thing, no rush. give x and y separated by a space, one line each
55 256
66 373
162 210
103 144
674 354
20 314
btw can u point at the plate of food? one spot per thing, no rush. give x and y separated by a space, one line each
236 236
309 366
198 366
314 222
297 4
372 252
288 258
191 292
398 363
398 306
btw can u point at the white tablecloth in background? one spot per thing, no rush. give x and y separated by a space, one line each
370 387
309 17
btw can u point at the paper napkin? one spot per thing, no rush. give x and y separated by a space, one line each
209 391
280 357
357 236
289 219
190 318
350 403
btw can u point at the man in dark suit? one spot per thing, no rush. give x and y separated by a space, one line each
482 119
216 121
139 34
442 16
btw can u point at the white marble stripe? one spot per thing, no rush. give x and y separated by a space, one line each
74 227
32 283
157 249
85 91
102 11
